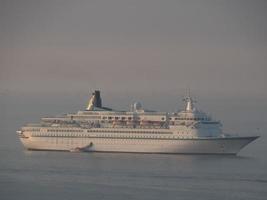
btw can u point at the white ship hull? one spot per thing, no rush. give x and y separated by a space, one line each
229 145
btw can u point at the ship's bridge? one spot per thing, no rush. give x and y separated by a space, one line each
191 112
193 122
193 115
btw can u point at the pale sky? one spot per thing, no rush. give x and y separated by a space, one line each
122 46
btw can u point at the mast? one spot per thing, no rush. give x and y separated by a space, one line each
189 102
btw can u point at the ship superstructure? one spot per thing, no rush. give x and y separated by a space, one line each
100 128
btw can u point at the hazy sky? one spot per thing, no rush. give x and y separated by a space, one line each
216 47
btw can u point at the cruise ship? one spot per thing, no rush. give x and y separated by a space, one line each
102 129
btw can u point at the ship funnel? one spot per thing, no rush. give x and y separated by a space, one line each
98 101
95 101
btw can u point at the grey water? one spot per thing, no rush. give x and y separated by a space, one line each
63 175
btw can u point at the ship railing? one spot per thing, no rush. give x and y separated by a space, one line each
33 125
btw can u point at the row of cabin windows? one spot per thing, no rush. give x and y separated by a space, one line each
105 136
194 118
71 141
109 131
120 118
63 130
58 135
124 118
118 131
163 118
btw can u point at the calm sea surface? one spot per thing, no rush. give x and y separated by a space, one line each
62 175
